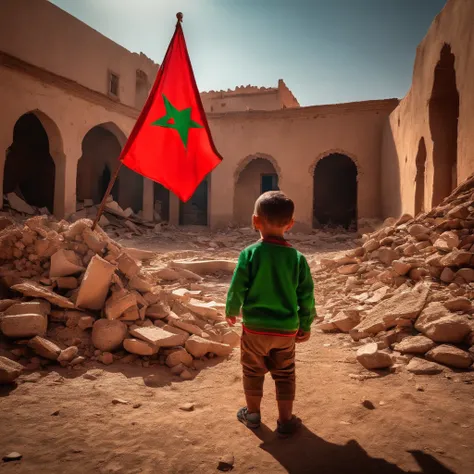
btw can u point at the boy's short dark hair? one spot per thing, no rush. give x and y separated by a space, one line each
275 207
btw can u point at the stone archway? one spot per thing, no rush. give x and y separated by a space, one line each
256 177
335 192
443 117
101 148
30 169
420 178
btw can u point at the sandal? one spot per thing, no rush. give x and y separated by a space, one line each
289 427
250 420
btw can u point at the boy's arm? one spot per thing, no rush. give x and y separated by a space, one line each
238 287
305 295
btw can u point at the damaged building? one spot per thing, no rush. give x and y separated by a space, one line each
67 112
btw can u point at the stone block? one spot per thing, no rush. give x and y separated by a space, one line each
67 355
9 370
127 265
179 356
158 337
139 347
117 305
450 356
30 307
35 290
44 348
65 263
371 358
198 347
414 345
20 326
95 284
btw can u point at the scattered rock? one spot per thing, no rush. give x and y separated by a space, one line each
226 463
450 356
24 325
423 367
67 355
108 335
119 401
9 370
187 407
414 345
44 348
371 358
14 456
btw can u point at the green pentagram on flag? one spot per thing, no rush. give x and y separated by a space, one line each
180 120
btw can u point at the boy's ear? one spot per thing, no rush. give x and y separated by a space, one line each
290 225
255 222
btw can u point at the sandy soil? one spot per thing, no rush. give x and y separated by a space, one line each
65 421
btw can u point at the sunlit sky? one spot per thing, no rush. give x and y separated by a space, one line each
327 51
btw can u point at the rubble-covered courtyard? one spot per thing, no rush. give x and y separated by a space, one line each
116 357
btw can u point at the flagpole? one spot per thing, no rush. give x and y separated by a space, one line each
106 195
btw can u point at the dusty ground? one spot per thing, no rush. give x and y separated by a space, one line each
64 421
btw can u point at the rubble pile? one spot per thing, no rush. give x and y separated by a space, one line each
71 295
406 293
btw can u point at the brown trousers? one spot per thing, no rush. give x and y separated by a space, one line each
275 354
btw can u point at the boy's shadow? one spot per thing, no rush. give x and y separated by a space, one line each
306 452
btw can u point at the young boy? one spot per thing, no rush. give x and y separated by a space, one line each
273 288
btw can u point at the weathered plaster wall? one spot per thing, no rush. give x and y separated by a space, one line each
409 123
42 34
66 116
294 140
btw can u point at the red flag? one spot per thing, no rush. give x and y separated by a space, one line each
171 142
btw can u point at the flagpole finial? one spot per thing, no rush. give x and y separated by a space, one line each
179 16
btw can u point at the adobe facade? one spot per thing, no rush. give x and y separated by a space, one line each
69 105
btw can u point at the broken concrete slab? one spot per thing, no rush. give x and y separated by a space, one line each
93 240
139 347
127 265
65 263
9 370
95 284
209 309
140 283
198 347
140 255
440 325
35 290
20 326
19 205
44 348
108 335
117 305
404 305
158 337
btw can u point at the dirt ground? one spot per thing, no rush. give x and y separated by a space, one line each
66 422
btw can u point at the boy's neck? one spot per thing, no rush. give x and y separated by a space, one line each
272 235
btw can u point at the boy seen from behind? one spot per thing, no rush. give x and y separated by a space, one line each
273 289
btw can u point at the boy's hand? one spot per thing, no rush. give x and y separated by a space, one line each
231 320
302 336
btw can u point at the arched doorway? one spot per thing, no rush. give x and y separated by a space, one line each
258 177
420 177
195 210
335 192
29 167
100 152
161 202
443 115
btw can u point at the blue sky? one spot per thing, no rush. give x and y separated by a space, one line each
327 51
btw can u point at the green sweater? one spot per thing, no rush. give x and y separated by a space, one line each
273 287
